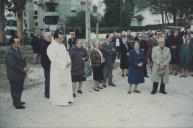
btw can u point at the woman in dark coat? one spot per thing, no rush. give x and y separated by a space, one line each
174 43
97 61
77 69
124 57
136 61
186 54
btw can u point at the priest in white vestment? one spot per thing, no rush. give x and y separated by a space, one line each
60 72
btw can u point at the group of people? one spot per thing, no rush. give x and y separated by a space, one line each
64 64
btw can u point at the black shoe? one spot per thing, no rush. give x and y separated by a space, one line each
46 95
69 102
100 87
104 86
19 107
126 74
146 76
96 89
136 91
74 95
153 93
163 92
123 75
182 76
112 85
129 92
80 91
22 103
175 74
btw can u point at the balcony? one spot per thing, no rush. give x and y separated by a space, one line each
51 13
51 2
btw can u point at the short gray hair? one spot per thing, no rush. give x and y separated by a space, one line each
95 42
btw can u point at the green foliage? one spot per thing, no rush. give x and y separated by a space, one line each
181 8
118 13
77 23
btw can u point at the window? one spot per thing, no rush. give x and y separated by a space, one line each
24 13
35 17
52 20
36 23
35 12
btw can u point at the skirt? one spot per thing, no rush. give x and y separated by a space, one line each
78 78
98 73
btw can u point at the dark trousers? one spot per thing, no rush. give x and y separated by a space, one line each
155 86
16 91
145 69
107 74
118 51
47 83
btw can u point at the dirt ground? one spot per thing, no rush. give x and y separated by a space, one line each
111 107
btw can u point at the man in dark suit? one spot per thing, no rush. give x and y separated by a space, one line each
108 50
45 62
16 71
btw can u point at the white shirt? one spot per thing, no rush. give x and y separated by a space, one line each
117 42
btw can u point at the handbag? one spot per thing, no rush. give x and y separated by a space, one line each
161 72
87 69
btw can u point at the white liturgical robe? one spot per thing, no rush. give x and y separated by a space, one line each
60 74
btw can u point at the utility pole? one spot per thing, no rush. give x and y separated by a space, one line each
88 29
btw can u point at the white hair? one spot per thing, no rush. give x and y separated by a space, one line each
95 42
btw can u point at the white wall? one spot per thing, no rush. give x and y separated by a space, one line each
149 18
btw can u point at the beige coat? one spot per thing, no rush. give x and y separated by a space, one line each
159 55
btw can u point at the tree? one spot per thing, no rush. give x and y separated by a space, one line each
181 8
118 12
18 7
2 21
78 21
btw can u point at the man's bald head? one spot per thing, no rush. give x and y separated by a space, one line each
161 42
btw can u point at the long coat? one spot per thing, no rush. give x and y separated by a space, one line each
174 41
160 55
36 45
15 63
124 57
60 75
108 52
186 54
136 74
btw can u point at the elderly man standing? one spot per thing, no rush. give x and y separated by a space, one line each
16 71
45 62
160 71
60 72
108 50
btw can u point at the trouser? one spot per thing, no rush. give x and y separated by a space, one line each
16 91
118 52
155 86
145 69
47 83
107 74
36 58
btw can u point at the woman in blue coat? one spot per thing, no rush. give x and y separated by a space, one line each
136 60
186 54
